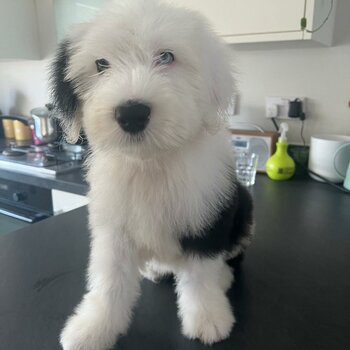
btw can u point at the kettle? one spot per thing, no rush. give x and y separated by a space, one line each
347 178
43 126
329 157
340 165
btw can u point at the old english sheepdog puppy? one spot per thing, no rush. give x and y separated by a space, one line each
149 82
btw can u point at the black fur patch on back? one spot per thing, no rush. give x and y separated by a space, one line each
65 99
231 225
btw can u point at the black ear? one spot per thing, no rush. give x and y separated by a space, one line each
65 99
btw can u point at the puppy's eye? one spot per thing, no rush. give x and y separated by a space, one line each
165 57
102 64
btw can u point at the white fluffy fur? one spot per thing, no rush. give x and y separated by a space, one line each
145 195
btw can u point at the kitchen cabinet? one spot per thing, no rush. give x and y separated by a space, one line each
64 201
248 21
19 37
237 21
70 12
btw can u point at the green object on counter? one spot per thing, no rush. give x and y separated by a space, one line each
281 166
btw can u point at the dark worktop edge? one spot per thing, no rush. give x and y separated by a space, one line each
72 182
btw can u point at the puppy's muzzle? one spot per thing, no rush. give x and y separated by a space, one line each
133 116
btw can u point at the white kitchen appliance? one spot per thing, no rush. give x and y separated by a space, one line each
329 157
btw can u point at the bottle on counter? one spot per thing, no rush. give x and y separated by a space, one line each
281 166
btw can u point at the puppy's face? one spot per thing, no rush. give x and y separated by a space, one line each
142 78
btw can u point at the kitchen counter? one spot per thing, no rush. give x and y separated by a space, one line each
292 290
72 182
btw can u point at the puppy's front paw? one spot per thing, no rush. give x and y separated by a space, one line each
81 334
208 325
73 337
90 328
75 334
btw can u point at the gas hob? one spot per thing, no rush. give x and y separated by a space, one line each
49 160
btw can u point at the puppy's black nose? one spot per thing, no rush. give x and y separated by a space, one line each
133 116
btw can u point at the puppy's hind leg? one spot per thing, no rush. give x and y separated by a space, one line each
113 288
155 271
226 277
203 306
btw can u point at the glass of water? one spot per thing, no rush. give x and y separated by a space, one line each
246 165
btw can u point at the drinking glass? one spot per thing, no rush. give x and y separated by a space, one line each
246 165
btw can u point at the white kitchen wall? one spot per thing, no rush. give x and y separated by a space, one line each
23 83
27 25
319 73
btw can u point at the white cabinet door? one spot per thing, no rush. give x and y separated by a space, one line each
238 21
18 30
244 21
65 201
242 17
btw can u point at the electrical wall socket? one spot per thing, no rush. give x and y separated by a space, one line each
278 106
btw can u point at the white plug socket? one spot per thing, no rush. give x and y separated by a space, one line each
271 110
278 106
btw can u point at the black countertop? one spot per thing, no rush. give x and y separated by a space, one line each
72 182
292 290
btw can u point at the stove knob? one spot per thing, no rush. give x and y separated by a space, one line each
19 196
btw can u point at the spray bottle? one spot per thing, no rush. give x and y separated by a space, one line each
280 166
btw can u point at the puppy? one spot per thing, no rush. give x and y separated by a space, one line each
149 83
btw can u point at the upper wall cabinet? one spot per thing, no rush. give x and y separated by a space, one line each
70 12
249 21
19 30
237 21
